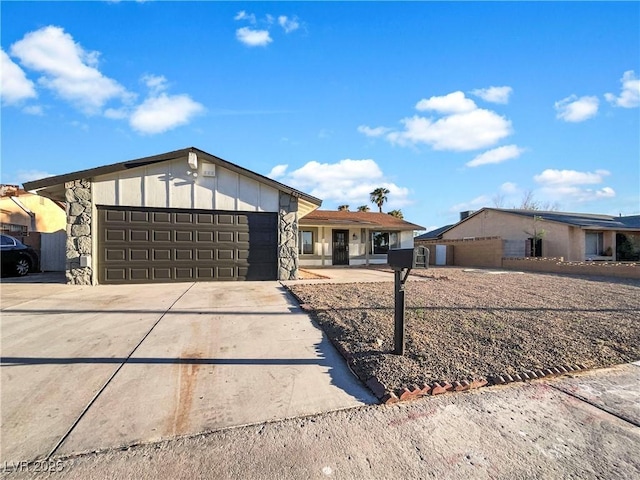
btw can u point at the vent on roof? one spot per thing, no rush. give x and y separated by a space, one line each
465 214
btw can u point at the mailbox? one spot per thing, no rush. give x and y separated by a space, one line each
400 258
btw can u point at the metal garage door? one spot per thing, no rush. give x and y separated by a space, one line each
146 245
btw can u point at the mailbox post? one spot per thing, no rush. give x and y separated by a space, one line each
402 260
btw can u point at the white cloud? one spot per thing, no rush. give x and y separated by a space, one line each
373 132
67 69
116 113
454 102
570 177
475 204
29 175
630 93
155 83
568 185
15 86
606 192
459 132
277 171
574 109
253 38
242 15
347 181
164 112
288 24
34 110
494 94
497 155
462 125
509 188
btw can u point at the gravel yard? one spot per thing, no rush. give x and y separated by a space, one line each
474 324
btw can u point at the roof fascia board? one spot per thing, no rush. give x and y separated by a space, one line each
104 170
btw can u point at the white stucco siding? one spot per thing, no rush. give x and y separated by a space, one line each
169 185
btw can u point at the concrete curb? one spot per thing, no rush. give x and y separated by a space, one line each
388 396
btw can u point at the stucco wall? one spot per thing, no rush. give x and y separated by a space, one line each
173 185
559 240
49 217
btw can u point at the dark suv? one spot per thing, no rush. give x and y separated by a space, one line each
17 258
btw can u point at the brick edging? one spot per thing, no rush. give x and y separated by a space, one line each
412 392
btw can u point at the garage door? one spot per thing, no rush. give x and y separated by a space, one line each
146 245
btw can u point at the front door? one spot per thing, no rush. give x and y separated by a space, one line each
341 247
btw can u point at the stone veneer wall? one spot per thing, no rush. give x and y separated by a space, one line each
79 214
288 237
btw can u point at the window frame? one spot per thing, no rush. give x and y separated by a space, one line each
301 243
389 235
599 236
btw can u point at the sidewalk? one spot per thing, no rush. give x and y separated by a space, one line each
576 426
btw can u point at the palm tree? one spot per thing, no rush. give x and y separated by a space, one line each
343 208
379 196
397 214
363 208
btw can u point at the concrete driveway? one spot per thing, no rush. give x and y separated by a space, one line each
88 368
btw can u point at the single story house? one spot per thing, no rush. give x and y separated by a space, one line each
572 236
329 237
184 215
22 212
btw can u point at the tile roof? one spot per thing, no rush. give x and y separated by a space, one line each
361 219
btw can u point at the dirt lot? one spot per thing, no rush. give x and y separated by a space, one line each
473 324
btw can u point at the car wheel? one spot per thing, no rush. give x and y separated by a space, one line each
23 265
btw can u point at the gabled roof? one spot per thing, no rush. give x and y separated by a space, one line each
140 162
433 234
361 219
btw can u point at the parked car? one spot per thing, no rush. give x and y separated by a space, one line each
17 258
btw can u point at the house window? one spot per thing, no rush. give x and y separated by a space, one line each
305 245
381 242
593 243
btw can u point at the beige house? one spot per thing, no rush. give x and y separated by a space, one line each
22 212
330 237
572 236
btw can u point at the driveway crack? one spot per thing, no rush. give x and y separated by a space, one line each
99 392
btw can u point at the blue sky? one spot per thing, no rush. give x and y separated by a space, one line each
451 106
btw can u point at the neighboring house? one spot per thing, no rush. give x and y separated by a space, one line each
184 215
329 237
22 212
573 236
